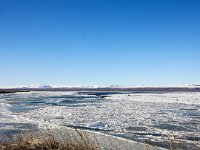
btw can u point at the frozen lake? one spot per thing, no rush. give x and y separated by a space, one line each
151 117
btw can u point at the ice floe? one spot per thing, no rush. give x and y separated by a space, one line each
135 116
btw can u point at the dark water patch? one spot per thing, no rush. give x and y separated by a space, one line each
194 114
193 138
189 109
171 127
11 91
71 101
76 105
103 96
87 128
59 117
190 123
76 101
37 102
19 108
53 104
71 97
30 101
26 105
173 122
158 113
23 106
67 100
79 102
5 134
99 94
147 133
136 128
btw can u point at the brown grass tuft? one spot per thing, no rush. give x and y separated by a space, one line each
49 141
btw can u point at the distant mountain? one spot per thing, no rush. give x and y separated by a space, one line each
87 86
196 84
45 86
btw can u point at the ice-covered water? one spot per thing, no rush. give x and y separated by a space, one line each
135 116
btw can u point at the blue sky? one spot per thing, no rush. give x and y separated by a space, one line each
99 42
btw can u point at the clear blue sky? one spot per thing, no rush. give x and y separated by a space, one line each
99 42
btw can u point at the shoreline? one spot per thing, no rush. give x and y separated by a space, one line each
104 141
106 89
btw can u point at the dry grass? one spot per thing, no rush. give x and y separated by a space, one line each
50 141
178 144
